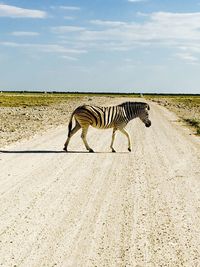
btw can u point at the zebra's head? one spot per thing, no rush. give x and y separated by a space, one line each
144 116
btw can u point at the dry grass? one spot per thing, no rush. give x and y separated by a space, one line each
46 99
34 99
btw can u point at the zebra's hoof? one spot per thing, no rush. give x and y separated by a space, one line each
65 149
113 150
91 150
129 149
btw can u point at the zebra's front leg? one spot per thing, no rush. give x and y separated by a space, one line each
83 136
113 138
122 130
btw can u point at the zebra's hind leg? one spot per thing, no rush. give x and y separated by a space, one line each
122 130
113 138
83 136
70 134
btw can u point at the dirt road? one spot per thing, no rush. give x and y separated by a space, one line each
103 209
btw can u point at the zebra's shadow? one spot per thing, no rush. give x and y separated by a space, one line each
32 151
96 152
57 152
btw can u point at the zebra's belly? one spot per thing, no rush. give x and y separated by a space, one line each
98 126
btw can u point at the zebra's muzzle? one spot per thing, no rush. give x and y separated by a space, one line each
148 124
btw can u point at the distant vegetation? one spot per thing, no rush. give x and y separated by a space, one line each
30 99
33 99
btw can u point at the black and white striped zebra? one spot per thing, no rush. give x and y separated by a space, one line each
115 117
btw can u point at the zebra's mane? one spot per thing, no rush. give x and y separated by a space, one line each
138 104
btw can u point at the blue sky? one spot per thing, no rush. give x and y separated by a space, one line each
100 45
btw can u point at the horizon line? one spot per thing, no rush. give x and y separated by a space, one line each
89 92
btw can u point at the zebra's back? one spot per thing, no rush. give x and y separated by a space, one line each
99 117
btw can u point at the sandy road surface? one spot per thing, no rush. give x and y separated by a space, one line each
103 209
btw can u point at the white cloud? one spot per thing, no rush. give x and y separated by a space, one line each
69 17
47 48
175 30
179 31
68 8
136 1
66 29
188 57
108 23
159 28
18 12
190 47
71 8
69 58
21 33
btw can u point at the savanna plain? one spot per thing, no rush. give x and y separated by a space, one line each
137 209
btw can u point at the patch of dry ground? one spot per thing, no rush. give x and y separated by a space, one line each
17 123
138 209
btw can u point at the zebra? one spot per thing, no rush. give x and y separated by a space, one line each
116 117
